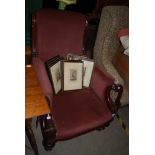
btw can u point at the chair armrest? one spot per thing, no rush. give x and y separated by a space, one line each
43 79
100 81
114 105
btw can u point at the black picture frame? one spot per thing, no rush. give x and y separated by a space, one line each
54 69
72 75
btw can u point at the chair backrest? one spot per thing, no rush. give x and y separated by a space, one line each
113 18
57 32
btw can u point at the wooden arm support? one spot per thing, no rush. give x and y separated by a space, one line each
114 105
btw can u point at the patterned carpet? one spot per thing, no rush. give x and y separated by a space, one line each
112 140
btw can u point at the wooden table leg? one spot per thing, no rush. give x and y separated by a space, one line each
30 135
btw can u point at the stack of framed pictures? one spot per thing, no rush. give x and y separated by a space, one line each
70 74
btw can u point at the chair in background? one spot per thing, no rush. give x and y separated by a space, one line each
113 18
76 112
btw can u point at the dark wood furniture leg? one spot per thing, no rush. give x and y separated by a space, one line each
48 131
30 135
105 125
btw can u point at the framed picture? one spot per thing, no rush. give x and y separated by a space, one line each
73 75
55 73
88 65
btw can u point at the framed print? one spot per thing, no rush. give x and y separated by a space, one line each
55 73
88 65
72 76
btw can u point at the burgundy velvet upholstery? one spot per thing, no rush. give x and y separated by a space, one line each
42 77
58 32
77 112
99 82
74 112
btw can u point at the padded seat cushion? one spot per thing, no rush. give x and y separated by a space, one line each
77 112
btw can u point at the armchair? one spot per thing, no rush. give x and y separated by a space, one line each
72 112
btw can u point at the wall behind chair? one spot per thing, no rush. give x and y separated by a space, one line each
30 7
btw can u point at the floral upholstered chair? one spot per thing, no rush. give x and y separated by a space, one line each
113 18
